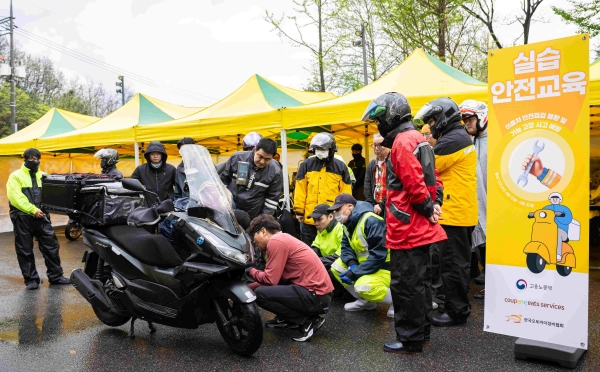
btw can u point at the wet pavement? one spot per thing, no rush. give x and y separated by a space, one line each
54 329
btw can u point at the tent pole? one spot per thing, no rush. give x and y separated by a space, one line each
136 149
366 147
284 168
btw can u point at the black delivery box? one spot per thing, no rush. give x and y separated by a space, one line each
61 192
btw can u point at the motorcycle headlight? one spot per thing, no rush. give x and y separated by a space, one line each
225 250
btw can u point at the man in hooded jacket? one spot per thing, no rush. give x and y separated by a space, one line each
156 175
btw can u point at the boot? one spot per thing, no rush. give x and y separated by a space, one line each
388 300
360 303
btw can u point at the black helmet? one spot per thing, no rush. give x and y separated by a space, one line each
108 157
250 140
325 141
443 111
389 111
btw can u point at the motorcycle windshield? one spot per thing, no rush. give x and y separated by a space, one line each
208 196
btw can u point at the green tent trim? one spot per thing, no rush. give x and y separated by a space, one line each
276 98
150 114
58 125
449 70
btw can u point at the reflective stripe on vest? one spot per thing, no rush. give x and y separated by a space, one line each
339 268
358 242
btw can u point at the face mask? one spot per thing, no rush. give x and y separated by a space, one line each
321 154
32 165
339 217
156 166
356 156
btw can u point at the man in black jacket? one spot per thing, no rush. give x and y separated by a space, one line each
156 174
375 190
259 190
357 164
181 186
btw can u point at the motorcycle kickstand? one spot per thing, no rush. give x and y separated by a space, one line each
151 326
132 329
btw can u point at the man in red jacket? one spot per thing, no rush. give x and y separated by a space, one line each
308 295
414 198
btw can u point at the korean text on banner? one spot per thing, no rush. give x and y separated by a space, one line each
538 179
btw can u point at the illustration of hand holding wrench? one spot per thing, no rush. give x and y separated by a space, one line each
533 165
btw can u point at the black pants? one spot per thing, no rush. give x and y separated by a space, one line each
26 227
437 286
455 255
309 233
480 251
292 302
411 294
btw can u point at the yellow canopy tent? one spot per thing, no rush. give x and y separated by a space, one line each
254 106
54 122
118 127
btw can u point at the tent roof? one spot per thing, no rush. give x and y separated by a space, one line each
254 104
118 127
420 77
54 122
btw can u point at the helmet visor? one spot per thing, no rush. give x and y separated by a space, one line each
102 153
425 113
373 112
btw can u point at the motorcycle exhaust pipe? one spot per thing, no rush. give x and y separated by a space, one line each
90 289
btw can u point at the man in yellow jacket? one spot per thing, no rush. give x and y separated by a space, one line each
24 191
456 161
320 179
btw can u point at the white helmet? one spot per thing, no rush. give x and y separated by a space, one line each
555 195
471 108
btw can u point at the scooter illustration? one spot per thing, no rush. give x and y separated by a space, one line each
541 250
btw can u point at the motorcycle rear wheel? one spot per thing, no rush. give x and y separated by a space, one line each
73 231
563 270
240 326
110 318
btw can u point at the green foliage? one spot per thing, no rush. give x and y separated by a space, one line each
28 110
583 14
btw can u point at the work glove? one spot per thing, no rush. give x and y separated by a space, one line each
345 279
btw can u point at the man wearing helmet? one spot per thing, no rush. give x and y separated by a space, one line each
562 222
251 140
474 116
108 162
320 179
456 161
414 197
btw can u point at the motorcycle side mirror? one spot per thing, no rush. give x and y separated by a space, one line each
559 214
132 184
531 215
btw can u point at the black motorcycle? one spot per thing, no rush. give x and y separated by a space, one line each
131 274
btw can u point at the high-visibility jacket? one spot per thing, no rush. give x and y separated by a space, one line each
456 161
21 193
319 181
329 241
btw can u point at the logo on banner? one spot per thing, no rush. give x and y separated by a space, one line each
521 284
514 318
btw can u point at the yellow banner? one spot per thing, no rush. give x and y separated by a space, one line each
538 187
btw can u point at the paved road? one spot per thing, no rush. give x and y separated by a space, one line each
54 329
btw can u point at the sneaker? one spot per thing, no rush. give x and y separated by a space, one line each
390 312
480 279
480 295
280 323
359 305
32 285
434 305
60 281
309 328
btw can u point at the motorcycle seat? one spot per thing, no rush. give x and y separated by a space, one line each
150 249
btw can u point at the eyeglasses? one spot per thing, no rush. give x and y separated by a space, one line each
426 135
376 146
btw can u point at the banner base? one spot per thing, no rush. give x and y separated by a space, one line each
564 355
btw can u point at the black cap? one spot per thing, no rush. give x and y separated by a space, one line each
341 200
356 146
319 210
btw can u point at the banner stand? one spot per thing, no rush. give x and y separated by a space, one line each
566 356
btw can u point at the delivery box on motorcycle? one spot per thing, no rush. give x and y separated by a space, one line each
108 204
61 192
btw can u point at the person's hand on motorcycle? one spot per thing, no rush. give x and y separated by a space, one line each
537 168
377 209
300 218
39 214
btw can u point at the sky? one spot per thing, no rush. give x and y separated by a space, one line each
189 52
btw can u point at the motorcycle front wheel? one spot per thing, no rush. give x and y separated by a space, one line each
535 263
240 325
73 231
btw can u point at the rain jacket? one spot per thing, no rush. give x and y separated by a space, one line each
317 182
481 143
264 188
456 160
329 241
21 193
373 228
112 171
413 186
159 180
370 184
